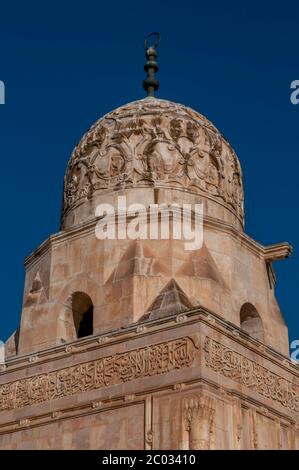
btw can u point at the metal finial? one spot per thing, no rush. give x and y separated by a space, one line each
150 84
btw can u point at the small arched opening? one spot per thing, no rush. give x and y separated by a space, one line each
251 321
82 308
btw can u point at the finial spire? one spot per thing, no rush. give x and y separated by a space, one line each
150 84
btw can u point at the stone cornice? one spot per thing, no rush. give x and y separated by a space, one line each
268 253
278 251
150 327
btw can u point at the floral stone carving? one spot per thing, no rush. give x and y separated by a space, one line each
154 142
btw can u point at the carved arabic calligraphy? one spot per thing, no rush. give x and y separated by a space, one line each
245 371
122 367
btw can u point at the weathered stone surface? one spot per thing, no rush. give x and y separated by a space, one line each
188 348
170 301
228 392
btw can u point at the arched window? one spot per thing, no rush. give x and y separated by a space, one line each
82 308
251 321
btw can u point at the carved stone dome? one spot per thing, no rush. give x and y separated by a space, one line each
156 146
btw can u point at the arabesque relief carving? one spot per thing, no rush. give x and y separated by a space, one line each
157 142
199 413
111 370
247 372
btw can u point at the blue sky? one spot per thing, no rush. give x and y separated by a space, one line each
65 65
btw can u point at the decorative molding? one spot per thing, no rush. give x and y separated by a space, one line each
198 412
103 339
178 387
24 422
237 423
249 373
180 318
148 422
277 251
140 329
130 397
33 358
96 404
111 370
149 437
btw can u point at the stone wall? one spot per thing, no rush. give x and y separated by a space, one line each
183 382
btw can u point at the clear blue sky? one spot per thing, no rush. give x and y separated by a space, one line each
65 64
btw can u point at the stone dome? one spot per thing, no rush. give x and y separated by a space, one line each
159 145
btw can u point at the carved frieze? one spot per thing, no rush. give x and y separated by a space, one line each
111 370
154 142
249 373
